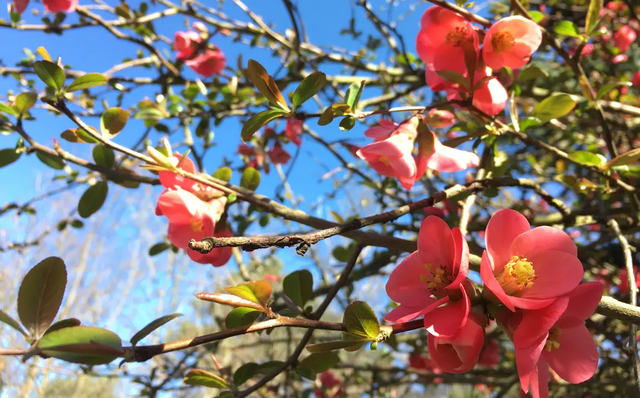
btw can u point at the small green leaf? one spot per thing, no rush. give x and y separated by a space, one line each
604 90
198 377
259 120
266 85
361 321
65 323
7 319
307 373
86 81
593 14
528 122
530 73
334 110
298 286
454 77
350 345
24 102
245 372
566 28
158 248
113 121
319 362
250 179
8 156
41 293
554 107
78 135
625 159
308 87
223 173
104 156
82 344
52 161
537 16
353 94
588 158
241 316
347 123
51 74
92 199
341 253
8 110
145 331
257 291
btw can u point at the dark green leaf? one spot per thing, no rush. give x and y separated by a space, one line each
554 107
250 179
24 102
8 156
51 74
361 321
7 319
307 373
353 94
113 121
198 377
351 345
309 87
92 199
604 90
347 123
41 293
65 323
52 161
241 316
223 173
82 344
530 73
341 253
298 286
319 362
145 331
257 292
104 156
257 121
159 248
244 373
86 81
566 28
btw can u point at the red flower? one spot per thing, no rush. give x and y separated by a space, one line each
458 353
186 44
510 42
210 62
330 386
624 37
293 130
55 6
279 155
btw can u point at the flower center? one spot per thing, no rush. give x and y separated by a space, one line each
197 225
502 41
457 36
552 341
384 160
437 279
517 275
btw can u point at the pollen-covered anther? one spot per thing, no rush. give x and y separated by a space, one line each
518 274
552 341
458 36
502 41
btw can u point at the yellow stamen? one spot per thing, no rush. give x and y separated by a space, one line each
438 280
384 160
552 341
517 275
197 225
458 36
502 41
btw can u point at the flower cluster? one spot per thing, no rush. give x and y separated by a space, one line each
391 153
205 60
193 210
531 288
52 6
329 386
255 155
450 44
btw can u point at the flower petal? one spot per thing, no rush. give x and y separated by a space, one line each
405 313
405 284
541 239
435 242
490 281
536 324
583 301
557 273
526 360
461 258
502 229
576 360
447 320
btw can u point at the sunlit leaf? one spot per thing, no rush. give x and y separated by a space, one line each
51 74
308 87
554 107
266 85
298 286
153 325
361 320
259 120
256 291
113 121
92 199
82 344
198 377
241 316
86 81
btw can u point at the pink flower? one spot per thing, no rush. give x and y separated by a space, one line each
556 336
624 37
458 353
186 44
216 257
623 287
491 97
431 281
293 130
616 5
55 6
443 30
20 5
330 386
391 156
527 268
620 58
635 80
246 150
434 155
210 62
423 362
279 155
490 354
510 42
587 49
169 179
439 118
382 130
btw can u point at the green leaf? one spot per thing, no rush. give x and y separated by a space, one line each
257 291
82 344
8 156
593 14
7 319
588 158
341 253
333 111
454 77
266 85
566 28
537 16
92 199
8 110
113 121
604 90
298 286
307 373
198 377
353 94
347 123
41 293
241 316
104 156
530 73
349 345
245 372
51 74
24 102
308 87
52 161
145 331
65 323
229 299
223 173
625 159
257 121
554 107
319 362
158 248
86 81
79 136
361 321
528 122
250 179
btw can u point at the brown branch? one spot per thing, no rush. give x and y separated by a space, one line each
465 13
